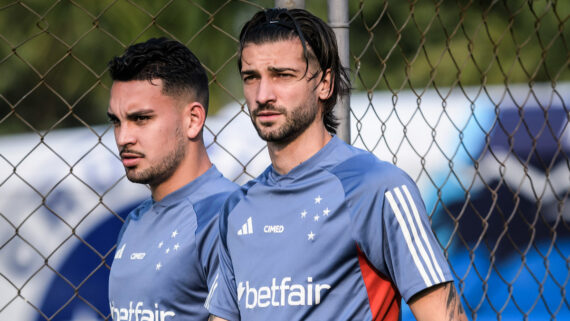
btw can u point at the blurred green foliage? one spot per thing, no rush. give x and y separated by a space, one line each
54 54
419 44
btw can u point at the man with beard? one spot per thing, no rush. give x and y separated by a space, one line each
166 250
328 231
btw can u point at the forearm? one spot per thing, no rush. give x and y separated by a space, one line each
215 318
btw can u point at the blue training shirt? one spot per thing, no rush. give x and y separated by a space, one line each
342 236
166 254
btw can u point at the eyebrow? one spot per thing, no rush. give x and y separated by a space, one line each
141 112
281 69
133 114
270 68
248 72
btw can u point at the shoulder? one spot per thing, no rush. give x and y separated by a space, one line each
208 207
225 185
214 182
212 190
362 170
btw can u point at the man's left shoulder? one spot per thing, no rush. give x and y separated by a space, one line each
210 202
366 168
218 183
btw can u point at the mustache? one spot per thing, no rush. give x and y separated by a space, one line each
268 107
125 150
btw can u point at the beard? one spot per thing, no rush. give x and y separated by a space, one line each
164 168
296 122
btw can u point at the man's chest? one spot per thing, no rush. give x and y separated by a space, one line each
303 229
154 254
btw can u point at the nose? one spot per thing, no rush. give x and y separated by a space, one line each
124 135
265 91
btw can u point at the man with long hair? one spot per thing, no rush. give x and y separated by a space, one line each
328 231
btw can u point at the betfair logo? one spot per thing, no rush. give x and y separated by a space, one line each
246 228
282 293
138 311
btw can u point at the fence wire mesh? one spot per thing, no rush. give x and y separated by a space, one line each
469 97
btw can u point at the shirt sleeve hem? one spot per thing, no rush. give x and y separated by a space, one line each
407 295
223 313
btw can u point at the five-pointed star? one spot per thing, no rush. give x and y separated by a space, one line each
303 213
316 218
173 235
158 266
167 251
176 246
326 212
160 244
318 199
311 236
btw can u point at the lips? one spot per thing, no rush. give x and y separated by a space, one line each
267 115
131 159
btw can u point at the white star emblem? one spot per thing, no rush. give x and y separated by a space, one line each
316 218
160 244
318 199
173 235
158 266
176 246
167 251
311 236
303 214
326 212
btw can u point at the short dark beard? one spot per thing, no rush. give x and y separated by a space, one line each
295 123
159 173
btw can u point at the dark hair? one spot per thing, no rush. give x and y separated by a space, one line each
318 41
165 59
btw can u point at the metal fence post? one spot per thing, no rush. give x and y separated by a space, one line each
338 20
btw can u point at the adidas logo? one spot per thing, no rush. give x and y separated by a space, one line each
119 253
246 228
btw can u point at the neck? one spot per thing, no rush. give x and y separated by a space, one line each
192 166
285 157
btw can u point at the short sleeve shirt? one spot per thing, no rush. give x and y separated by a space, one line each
166 254
342 236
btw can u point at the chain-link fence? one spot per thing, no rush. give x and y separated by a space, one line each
469 97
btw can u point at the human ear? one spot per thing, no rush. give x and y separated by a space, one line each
325 87
195 116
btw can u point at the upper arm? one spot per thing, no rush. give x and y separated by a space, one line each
208 247
398 238
439 302
215 318
391 226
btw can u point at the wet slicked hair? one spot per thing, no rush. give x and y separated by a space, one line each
161 58
318 41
